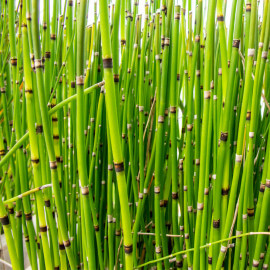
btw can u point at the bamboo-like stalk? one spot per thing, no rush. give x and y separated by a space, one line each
114 130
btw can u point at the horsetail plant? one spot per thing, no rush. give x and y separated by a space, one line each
135 134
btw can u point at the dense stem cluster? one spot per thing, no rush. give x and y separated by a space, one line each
138 140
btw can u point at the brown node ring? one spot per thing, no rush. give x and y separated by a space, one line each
220 18
47 55
28 216
13 61
11 210
53 165
116 77
73 84
172 109
236 43
225 191
107 63
36 161
4 220
43 229
29 91
250 212
128 249
39 129
66 243
47 203
216 223
119 167
224 136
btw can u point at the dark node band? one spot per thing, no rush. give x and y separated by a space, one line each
128 249
47 203
13 61
43 229
73 84
61 247
262 188
216 223
47 55
107 63
119 167
174 195
250 212
56 268
236 43
220 18
4 220
11 210
96 227
39 129
172 109
224 136
56 137
28 216
179 264
26 238
36 160
225 191
116 77
28 91
248 115
53 36
66 243
2 152
209 260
